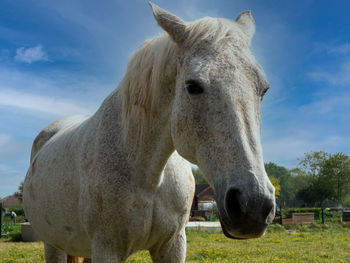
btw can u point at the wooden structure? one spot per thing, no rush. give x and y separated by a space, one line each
203 194
203 201
299 218
71 259
346 216
28 234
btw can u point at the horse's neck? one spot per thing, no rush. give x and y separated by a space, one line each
139 110
148 157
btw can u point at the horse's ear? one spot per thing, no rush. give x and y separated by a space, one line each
172 24
246 22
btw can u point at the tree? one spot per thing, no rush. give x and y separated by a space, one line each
336 173
283 175
198 176
329 177
19 194
312 163
315 193
299 180
276 183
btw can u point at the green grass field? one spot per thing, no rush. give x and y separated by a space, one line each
319 243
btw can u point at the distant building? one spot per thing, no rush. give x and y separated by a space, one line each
10 200
203 199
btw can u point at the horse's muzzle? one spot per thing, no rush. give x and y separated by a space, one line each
246 216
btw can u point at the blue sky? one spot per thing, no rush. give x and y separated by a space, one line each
59 58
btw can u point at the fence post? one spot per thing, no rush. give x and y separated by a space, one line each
0 220
281 220
322 212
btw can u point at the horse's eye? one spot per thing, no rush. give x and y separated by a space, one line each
264 91
194 87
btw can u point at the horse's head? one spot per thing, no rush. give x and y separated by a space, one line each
215 119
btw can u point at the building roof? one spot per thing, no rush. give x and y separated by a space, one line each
10 200
204 192
200 188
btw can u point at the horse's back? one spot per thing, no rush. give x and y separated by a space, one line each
52 129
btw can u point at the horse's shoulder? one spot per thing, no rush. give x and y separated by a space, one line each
179 170
176 160
177 188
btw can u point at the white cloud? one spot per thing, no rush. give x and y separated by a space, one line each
339 77
9 147
30 55
51 94
340 49
33 102
191 10
4 140
286 148
332 48
323 124
332 106
14 157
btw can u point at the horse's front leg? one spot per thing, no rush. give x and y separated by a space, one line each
54 255
105 251
173 251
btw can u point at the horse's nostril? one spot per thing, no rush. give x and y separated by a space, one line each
233 207
269 210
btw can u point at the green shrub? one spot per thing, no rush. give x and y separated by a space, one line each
333 216
347 201
276 228
17 209
12 230
9 228
16 237
212 218
214 215
329 216
197 218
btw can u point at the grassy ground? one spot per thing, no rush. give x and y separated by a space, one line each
320 243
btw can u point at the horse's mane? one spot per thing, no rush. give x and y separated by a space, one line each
143 83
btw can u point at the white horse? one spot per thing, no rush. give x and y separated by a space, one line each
108 185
